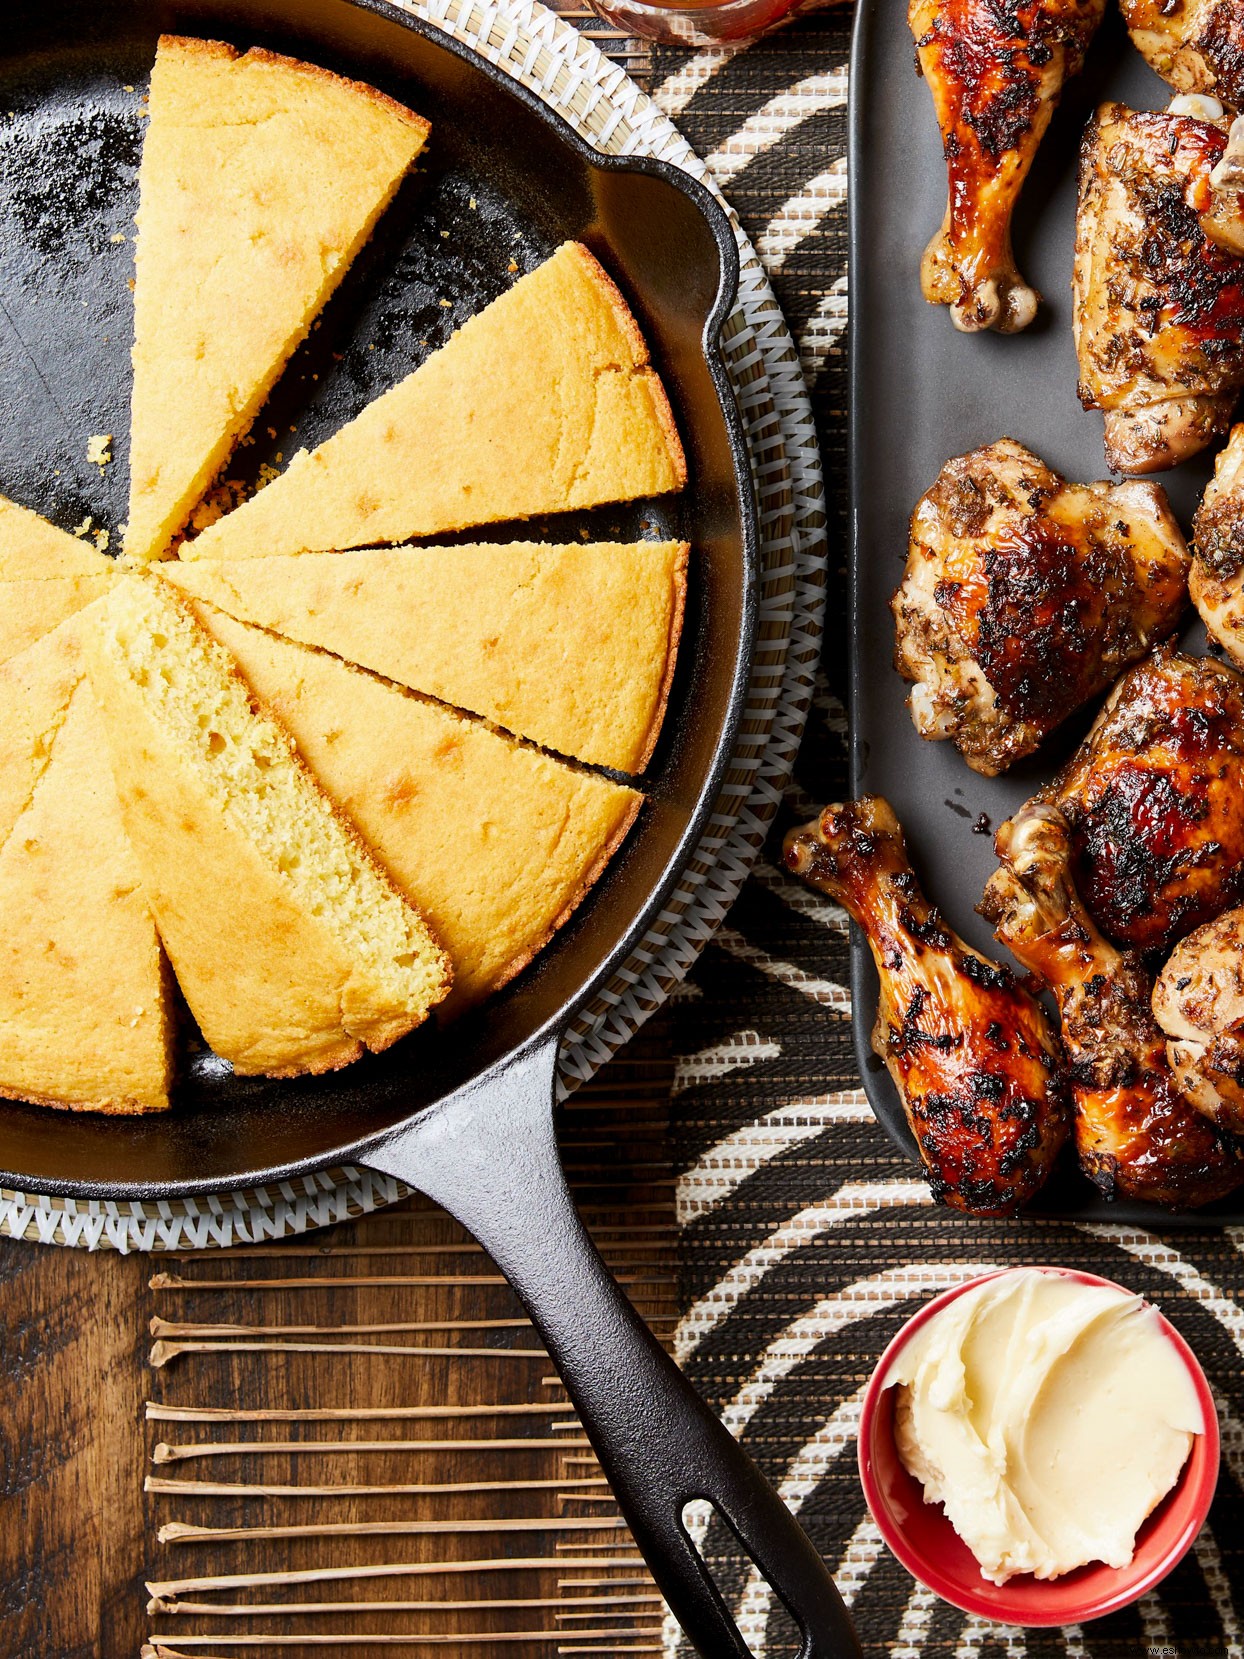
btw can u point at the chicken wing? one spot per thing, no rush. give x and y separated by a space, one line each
1154 803
1158 302
972 1056
1136 1135
995 73
1196 45
1024 596
1199 1003
1217 579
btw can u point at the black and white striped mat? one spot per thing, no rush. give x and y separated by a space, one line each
807 1239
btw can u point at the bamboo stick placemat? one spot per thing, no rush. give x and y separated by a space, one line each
803 1239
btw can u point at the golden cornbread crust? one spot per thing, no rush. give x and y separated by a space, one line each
246 859
193 47
590 629
543 402
673 640
261 179
85 1009
493 841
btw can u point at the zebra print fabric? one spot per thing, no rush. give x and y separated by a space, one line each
807 1239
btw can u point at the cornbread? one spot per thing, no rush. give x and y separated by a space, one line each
45 576
35 689
293 949
495 842
261 179
543 402
84 999
572 647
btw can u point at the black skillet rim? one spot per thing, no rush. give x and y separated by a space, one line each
715 216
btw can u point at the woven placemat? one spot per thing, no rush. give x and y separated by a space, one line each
550 58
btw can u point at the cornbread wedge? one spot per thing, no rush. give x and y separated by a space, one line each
293 949
572 647
261 179
85 1015
35 688
495 842
542 402
45 576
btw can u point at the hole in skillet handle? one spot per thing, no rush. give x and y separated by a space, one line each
488 1155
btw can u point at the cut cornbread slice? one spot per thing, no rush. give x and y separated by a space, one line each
545 401
292 947
35 688
85 1014
45 576
261 179
495 842
572 647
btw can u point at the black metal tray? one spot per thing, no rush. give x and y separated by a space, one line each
920 393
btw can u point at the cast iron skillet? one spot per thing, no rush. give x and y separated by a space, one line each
920 393
464 1115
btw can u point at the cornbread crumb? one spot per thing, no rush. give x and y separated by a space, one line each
543 402
244 861
99 450
260 180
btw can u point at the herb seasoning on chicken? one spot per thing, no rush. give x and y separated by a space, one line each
1024 596
972 1055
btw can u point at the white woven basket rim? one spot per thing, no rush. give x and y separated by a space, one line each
551 58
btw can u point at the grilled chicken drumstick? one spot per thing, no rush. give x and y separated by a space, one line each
1217 580
1158 301
972 1056
1024 596
1154 801
995 73
1196 45
1135 1133
1199 1003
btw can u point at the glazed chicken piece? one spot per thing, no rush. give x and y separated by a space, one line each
1217 580
1158 303
1199 1003
1024 596
1136 1135
1196 45
972 1056
1154 801
995 73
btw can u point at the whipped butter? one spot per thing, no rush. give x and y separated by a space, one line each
1048 1416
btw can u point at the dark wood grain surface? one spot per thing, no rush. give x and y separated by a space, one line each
79 1535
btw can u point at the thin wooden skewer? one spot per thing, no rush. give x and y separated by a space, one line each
163 1353
304 1609
179 1328
165 1453
182 1532
598 1583
394 1569
447 1638
159 1413
243 1489
175 1281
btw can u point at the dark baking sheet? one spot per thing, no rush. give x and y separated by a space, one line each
920 393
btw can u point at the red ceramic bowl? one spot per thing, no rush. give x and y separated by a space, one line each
928 1546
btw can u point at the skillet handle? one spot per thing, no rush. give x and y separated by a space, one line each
488 1155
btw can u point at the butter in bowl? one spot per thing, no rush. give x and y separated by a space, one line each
1039 1446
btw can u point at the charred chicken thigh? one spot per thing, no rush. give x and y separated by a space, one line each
1199 1003
1024 596
1196 45
1158 302
1154 801
995 73
1217 580
972 1056
1136 1135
